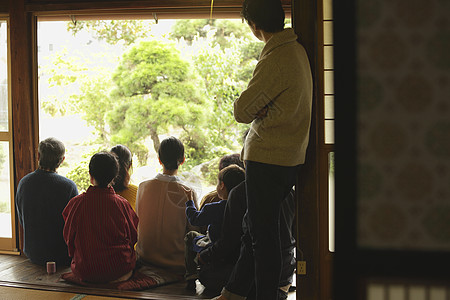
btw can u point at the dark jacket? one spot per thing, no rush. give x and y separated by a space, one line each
210 215
226 248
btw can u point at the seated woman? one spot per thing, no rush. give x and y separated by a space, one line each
122 185
101 227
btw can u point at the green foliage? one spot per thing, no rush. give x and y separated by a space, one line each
63 74
147 65
210 171
331 163
157 91
113 31
224 57
234 29
217 67
5 207
190 29
219 30
3 157
94 102
80 173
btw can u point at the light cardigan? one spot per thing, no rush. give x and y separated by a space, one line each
281 80
160 206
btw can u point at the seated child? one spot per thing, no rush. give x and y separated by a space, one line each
101 227
160 205
210 215
225 161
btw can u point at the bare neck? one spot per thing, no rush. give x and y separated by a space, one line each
265 36
170 172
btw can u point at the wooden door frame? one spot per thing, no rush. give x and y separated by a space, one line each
312 184
25 112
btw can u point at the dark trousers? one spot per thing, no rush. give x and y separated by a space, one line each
214 276
260 260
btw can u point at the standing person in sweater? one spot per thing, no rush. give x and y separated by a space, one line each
101 227
210 215
218 260
277 103
122 185
40 199
160 205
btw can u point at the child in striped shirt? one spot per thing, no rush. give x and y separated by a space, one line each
101 227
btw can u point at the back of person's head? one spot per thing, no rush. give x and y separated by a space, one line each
231 159
171 153
51 153
267 15
231 176
103 167
125 159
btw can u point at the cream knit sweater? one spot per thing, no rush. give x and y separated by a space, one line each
281 80
161 206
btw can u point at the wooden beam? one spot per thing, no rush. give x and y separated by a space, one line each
55 5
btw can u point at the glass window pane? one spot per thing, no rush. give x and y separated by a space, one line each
438 293
329 131
417 293
329 107
331 243
328 32
328 57
328 9
3 76
375 292
397 292
329 82
5 192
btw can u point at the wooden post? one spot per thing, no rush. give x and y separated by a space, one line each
305 25
22 96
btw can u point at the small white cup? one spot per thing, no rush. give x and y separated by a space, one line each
51 267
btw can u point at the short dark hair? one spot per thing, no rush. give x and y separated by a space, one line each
51 153
125 159
171 153
103 167
231 159
231 176
267 15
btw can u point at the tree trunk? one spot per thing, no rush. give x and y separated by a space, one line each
155 138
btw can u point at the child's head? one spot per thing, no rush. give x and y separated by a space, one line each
228 178
103 167
230 159
267 15
171 153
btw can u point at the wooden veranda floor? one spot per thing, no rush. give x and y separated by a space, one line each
20 279
17 272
